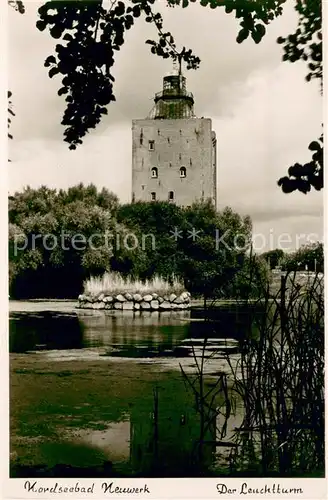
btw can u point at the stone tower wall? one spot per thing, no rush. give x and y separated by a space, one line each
177 143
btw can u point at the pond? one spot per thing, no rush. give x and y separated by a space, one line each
104 392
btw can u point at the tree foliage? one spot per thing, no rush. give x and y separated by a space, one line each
306 44
46 233
205 248
273 257
17 5
304 177
308 257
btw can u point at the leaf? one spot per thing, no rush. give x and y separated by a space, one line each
185 3
314 146
62 91
53 72
50 60
56 32
261 30
242 35
256 36
136 11
41 25
67 37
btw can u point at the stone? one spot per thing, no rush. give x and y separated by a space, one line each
154 304
148 298
120 298
181 306
155 296
166 298
108 305
189 294
178 300
118 305
136 306
101 297
81 298
128 306
172 297
98 305
184 295
145 305
128 296
108 299
174 305
88 298
165 305
137 297
160 299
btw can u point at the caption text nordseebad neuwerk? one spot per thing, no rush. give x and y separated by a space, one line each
115 488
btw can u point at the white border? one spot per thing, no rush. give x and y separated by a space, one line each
160 488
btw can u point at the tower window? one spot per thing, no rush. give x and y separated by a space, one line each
154 172
141 137
153 196
179 156
183 172
171 195
151 145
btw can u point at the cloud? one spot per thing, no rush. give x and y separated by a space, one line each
263 111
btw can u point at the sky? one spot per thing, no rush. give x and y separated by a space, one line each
263 111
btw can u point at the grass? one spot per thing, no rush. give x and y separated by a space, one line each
113 283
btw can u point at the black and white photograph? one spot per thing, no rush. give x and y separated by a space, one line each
165 285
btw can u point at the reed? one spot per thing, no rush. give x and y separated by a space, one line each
113 283
280 381
277 384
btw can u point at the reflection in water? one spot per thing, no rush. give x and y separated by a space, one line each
136 335
125 333
44 330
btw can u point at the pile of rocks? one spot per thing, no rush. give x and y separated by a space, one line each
135 302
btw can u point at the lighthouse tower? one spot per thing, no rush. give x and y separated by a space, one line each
173 151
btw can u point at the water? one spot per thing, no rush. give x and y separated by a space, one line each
103 390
